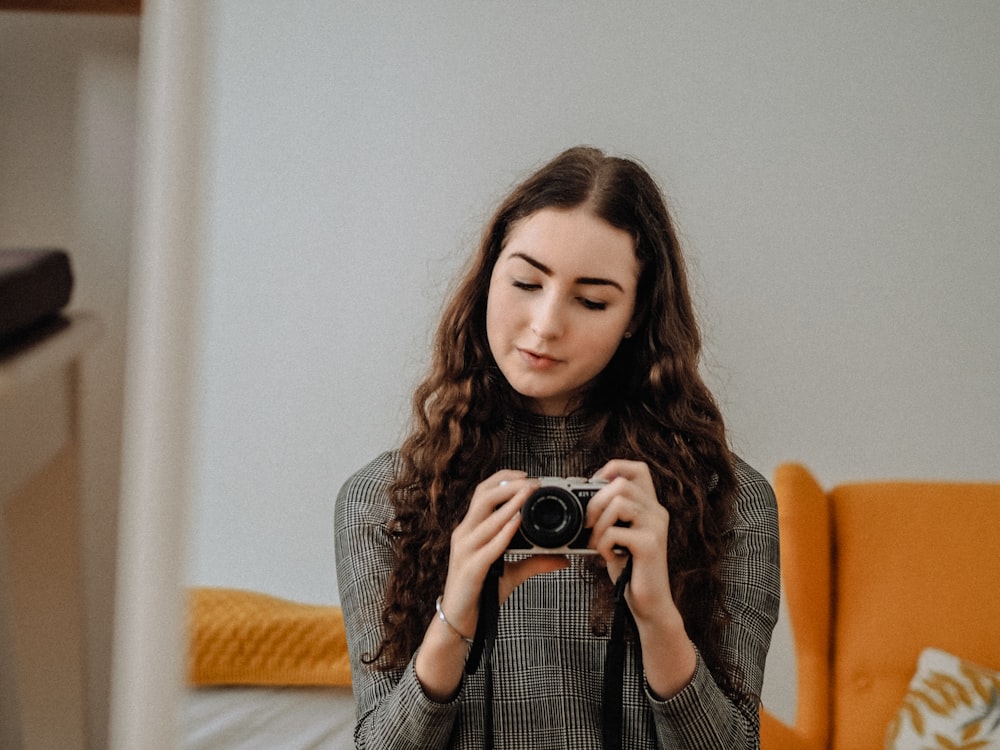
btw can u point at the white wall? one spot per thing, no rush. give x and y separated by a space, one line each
834 170
67 122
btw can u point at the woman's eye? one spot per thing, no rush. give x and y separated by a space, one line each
587 302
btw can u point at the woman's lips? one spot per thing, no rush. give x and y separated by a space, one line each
536 360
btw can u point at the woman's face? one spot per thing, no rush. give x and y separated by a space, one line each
561 298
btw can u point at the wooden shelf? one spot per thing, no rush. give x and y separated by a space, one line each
115 7
42 582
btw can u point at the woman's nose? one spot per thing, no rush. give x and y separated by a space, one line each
547 318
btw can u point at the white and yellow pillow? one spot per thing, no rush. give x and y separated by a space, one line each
951 704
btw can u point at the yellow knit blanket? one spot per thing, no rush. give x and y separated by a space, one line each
247 638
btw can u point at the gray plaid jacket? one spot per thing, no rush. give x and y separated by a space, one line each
548 664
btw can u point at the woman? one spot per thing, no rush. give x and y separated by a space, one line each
570 348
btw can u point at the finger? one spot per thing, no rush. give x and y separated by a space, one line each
633 472
498 536
478 528
620 467
492 535
504 475
495 491
499 483
610 495
616 544
619 513
600 501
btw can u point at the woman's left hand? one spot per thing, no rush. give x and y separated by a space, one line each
626 514
630 499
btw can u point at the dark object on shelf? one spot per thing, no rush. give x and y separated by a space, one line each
35 285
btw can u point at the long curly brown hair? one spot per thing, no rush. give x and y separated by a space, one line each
650 404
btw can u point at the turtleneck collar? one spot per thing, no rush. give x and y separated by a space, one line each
547 446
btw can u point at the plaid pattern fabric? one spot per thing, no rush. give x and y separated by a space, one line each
548 664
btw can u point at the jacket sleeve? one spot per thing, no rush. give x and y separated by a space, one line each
702 716
392 710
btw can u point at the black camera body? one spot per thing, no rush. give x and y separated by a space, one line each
553 518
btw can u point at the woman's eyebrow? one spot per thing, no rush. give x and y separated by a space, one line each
588 280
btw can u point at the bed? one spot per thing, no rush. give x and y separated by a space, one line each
265 672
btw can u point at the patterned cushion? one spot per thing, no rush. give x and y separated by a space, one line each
951 704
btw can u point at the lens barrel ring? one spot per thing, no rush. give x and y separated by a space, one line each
552 517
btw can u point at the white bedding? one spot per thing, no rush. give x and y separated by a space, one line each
263 718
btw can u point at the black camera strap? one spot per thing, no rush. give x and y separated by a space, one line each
614 660
482 644
614 663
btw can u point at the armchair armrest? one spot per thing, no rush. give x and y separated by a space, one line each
776 735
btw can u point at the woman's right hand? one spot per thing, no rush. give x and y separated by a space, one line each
478 541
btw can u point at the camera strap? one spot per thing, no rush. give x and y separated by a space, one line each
614 663
482 644
614 660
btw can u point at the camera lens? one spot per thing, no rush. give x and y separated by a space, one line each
551 517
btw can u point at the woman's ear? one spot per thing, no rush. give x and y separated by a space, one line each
634 325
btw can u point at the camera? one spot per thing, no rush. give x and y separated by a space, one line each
553 517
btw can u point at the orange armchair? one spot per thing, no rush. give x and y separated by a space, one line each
873 573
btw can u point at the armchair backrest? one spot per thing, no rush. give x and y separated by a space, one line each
875 572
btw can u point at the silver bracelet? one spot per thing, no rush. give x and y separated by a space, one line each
442 618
